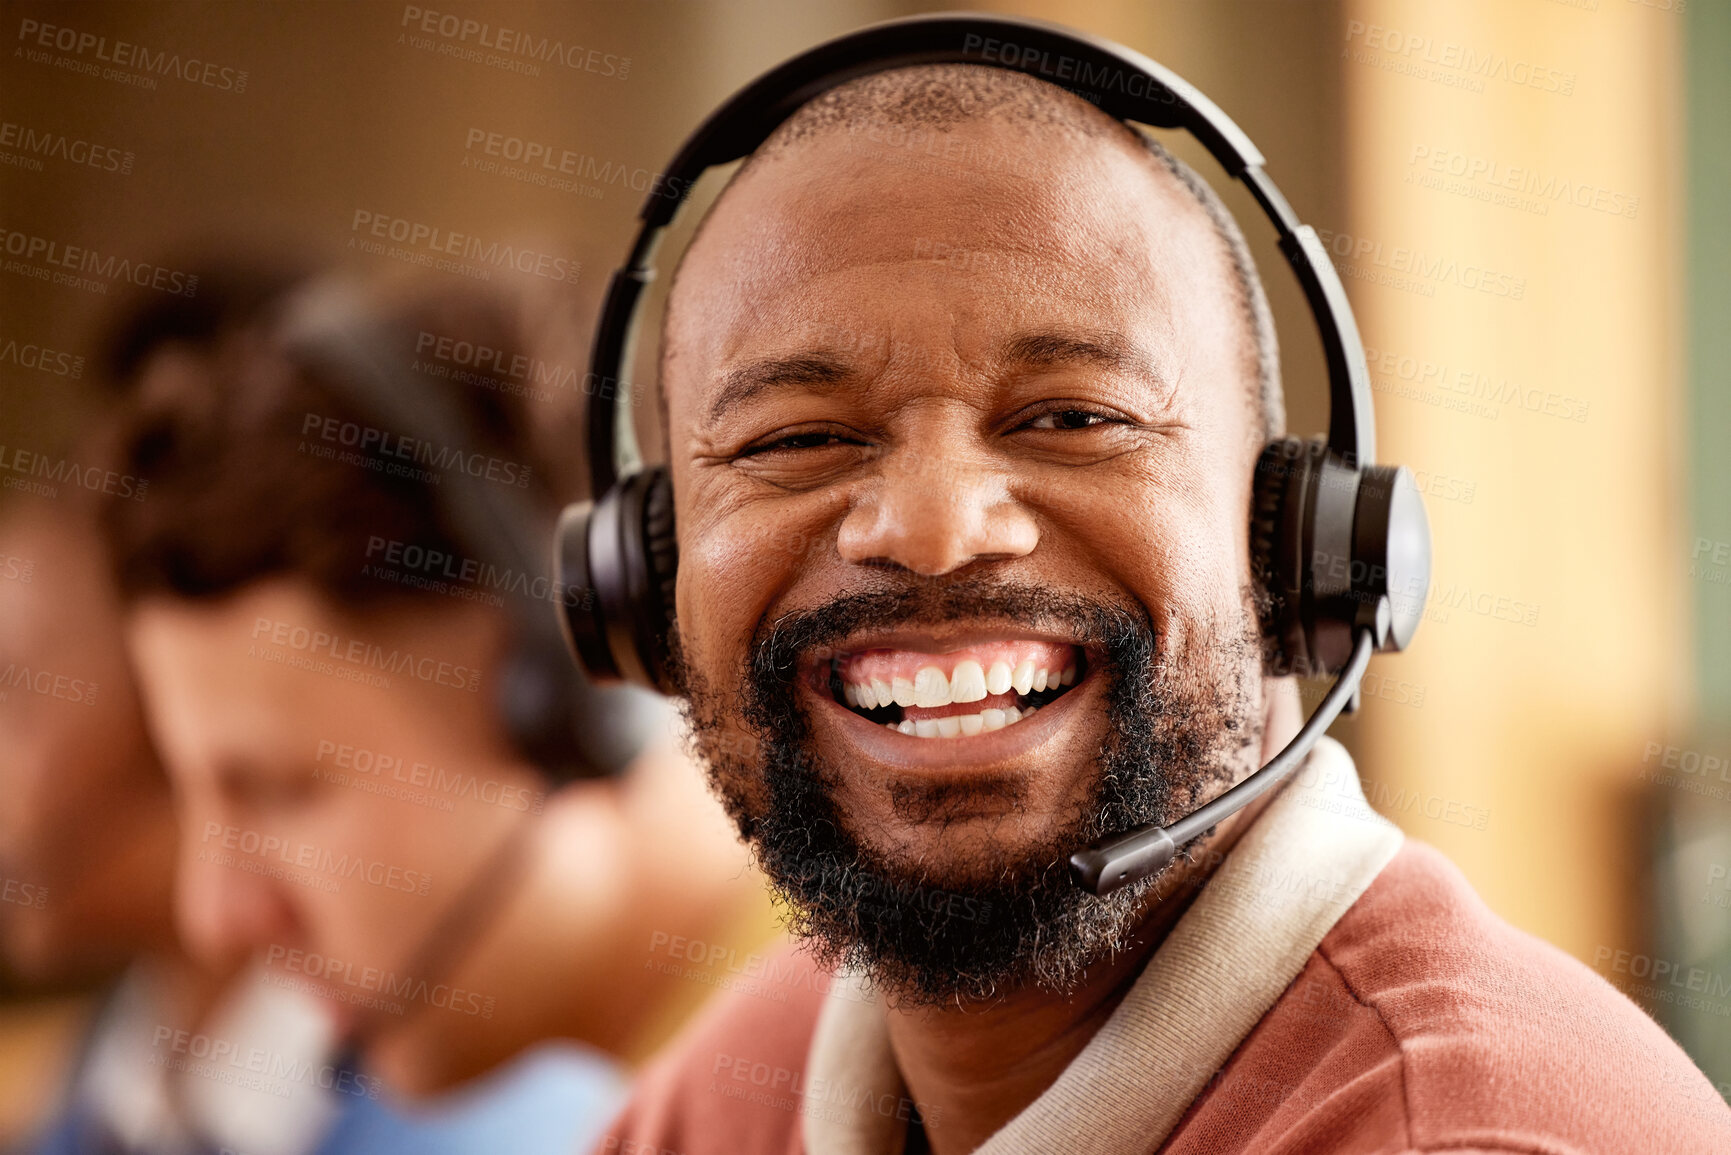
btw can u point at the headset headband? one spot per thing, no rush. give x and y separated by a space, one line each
1118 81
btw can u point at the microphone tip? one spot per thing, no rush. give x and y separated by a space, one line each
1122 859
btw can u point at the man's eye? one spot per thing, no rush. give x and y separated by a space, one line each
1069 419
816 439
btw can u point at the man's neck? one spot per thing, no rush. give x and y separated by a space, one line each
562 950
973 1068
530 929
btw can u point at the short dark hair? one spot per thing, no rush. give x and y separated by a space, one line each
937 97
239 490
231 294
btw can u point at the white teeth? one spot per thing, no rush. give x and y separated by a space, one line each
967 682
963 725
889 725
970 681
931 688
902 692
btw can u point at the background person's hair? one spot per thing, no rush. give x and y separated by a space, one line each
246 480
231 294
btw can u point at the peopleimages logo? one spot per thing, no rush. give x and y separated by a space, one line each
366 439
33 144
31 472
409 558
23 893
375 980
458 32
58 255
273 849
520 368
1413 376
564 162
42 359
253 1068
48 684
357 654
1361 255
358 761
428 243
1458 65
1499 178
37 35
1079 76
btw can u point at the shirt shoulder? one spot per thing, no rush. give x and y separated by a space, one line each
734 1080
1486 1037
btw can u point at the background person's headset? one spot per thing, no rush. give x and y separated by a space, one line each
1341 546
567 726
559 719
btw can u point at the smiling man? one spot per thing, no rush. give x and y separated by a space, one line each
965 386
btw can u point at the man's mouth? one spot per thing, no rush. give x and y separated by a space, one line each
961 693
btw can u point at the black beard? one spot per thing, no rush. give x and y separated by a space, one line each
995 922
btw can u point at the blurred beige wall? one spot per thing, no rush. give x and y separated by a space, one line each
1536 141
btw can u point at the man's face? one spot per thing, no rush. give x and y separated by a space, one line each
338 787
936 427
86 826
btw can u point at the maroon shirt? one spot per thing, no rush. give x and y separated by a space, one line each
1421 1023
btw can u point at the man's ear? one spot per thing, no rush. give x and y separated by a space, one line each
1282 715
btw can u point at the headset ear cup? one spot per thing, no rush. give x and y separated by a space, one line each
617 561
1277 494
661 555
582 618
1336 549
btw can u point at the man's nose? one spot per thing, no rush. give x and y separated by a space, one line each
934 513
225 912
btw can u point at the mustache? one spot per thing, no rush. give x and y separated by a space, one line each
1110 626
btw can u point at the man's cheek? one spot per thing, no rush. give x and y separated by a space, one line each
718 599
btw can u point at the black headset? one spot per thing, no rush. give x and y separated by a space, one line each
555 716
1340 546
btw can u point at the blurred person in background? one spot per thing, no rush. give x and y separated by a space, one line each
88 833
339 612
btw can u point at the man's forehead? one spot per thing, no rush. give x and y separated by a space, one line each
849 193
1015 223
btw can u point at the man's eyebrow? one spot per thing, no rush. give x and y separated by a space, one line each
1051 350
807 370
